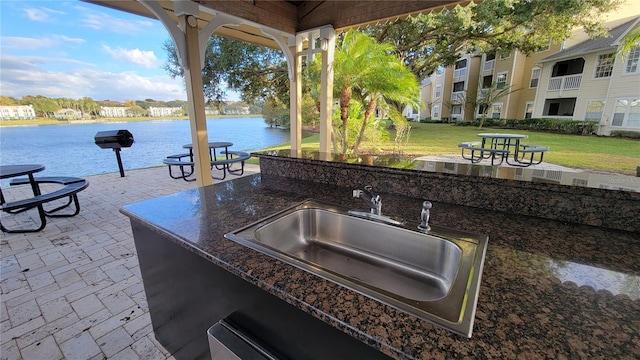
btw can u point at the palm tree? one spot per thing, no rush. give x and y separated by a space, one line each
367 72
485 98
629 41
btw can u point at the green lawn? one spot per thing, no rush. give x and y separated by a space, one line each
584 152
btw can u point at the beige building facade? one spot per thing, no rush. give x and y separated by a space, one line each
578 79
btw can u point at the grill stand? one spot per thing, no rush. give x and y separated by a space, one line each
117 151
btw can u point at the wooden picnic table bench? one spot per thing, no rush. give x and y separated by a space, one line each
72 186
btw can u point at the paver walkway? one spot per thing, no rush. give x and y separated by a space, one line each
73 290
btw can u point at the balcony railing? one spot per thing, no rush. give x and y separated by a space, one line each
488 66
460 73
569 82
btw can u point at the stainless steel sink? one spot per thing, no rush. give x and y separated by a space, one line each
434 276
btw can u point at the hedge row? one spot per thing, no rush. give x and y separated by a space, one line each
625 134
540 124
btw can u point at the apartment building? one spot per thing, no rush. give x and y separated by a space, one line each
165 111
68 114
115 111
592 81
578 79
19 112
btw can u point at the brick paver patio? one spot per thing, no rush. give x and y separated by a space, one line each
73 290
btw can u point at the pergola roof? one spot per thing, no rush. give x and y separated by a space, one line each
283 24
289 16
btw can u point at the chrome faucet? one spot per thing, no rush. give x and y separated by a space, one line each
373 200
424 217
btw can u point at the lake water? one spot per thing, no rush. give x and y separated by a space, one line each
70 150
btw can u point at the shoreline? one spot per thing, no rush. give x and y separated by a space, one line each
47 121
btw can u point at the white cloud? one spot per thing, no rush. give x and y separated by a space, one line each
19 42
40 14
65 38
25 76
102 21
136 56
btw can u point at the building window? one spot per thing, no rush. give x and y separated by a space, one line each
456 112
627 113
438 91
460 69
482 108
604 66
632 60
528 110
535 76
458 86
505 55
545 48
501 80
486 81
594 110
496 111
436 111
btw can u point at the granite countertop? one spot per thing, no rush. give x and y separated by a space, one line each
549 289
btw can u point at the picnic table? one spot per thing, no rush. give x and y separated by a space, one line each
220 163
70 189
212 148
500 147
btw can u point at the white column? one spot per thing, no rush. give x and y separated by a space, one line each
185 36
328 41
295 100
195 97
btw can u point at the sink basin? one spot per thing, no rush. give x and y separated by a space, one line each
434 276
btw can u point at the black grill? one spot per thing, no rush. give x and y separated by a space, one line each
114 139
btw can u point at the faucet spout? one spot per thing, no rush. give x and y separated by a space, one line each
374 201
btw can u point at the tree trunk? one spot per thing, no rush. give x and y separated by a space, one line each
367 115
345 99
484 116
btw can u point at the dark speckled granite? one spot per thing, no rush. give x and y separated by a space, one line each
549 289
583 205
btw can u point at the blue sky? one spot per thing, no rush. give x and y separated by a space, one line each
75 49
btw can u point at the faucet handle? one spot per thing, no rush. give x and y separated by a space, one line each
424 216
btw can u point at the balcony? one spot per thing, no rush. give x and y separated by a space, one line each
483 93
487 67
460 73
569 82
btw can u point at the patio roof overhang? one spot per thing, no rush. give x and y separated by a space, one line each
281 24
290 16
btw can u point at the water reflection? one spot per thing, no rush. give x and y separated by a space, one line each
595 277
